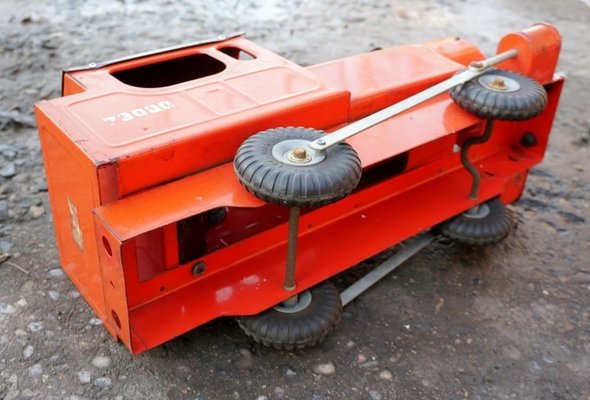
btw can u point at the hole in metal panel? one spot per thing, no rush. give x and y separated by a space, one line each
171 72
107 246
237 53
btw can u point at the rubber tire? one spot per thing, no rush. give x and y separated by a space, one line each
292 185
306 328
480 231
525 103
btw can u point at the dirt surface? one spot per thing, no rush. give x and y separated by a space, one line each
507 321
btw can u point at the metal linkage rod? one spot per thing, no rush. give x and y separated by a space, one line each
360 286
289 283
475 69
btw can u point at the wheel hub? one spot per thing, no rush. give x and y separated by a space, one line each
478 212
297 152
289 307
499 83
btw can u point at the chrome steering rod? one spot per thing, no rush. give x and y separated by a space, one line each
475 69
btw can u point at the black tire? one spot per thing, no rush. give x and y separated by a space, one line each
489 228
517 104
297 330
296 185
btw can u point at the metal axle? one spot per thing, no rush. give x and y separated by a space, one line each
289 283
474 70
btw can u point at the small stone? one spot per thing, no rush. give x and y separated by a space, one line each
42 186
386 375
22 303
279 392
102 382
20 333
35 326
28 351
361 358
5 246
262 397
324 369
74 294
8 171
53 294
369 364
8 152
95 321
101 361
7 309
512 352
290 373
84 376
374 395
56 273
245 360
36 211
35 371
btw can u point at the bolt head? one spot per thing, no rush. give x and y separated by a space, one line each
498 83
299 153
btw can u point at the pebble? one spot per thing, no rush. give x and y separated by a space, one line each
22 303
53 294
36 211
42 186
102 382
369 364
279 392
290 373
386 375
245 360
7 151
101 361
262 397
8 171
5 246
28 351
35 326
3 208
57 273
511 352
374 395
7 309
324 369
95 321
361 358
20 333
35 371
84 376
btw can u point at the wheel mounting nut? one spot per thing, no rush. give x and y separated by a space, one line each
299 153
498 83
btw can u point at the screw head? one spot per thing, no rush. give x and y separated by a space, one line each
528 140
498 84
299 153
321 142
198 268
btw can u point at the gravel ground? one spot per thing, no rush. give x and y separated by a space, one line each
507 321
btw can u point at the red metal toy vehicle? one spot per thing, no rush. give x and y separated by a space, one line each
181 191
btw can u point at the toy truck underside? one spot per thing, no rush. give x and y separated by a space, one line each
157 233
